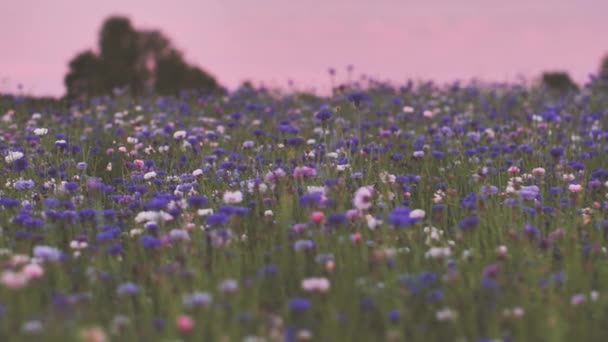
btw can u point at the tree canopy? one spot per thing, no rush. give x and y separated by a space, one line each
140 61
558 81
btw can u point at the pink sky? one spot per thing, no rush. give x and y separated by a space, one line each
272 41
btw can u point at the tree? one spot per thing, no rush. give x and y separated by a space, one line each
603 74
119 52
136 60
558 81
85 75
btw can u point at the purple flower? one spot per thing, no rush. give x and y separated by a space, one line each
197 299
127 289
531 231
24 184
149 241
217 219
468 222
47 253
198 201
469 202
400 217
299 304
529 192
323 115
303 244
70 186
394 315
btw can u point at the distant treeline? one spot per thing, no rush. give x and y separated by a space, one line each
136 61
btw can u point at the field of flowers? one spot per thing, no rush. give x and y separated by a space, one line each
412 213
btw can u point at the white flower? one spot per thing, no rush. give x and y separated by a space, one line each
372 222
268 213
316 285
135 232
417 214
387 178
446 314
233 197
197 172
342 167
518 312
13 156
40 131
408 109
154 216
311 189
438 196
149 175
594 295
428 114
438 253
204 212
568 177
179 135
179 234
418 154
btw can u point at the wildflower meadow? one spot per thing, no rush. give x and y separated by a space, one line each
414 212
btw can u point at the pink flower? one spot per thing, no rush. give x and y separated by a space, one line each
139 163
304 171
93 334
539 171
233 197
317 217
33 271
574 188
13 280
513 170
502 251
184 323
353 214
362 199
321 285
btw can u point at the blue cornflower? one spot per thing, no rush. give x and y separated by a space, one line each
394 315
24 184
126 289
323 115
299 304
529 192
197 201
400 217
149 241
47 253
197 299
336 218
217 219
303 244
469 201
468 222
309 199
